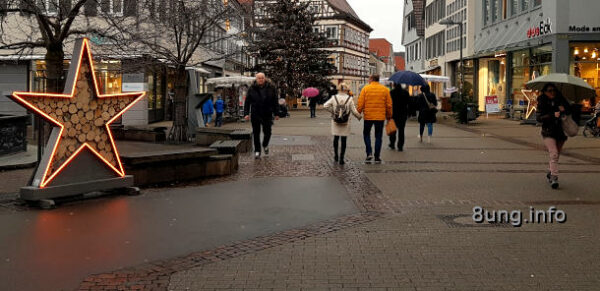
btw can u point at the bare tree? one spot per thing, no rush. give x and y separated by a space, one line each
182 33
29 25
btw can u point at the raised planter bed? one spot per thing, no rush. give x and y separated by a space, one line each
208 136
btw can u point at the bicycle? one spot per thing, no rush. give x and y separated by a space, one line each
591 129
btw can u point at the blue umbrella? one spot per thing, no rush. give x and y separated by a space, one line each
408 78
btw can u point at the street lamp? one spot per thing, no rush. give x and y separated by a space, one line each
449 22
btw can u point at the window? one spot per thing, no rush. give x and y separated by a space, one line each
331 32
524 5
514 7
494 10
316 29
114 7
486 12
537 2
50 7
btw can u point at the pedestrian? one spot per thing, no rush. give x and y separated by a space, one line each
375 103
219 109
427 106
207 111
551 106
312 104
260 108
400 102
341 106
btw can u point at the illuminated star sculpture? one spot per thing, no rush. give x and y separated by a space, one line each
81 116
531 102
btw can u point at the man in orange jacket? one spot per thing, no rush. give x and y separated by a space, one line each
376 104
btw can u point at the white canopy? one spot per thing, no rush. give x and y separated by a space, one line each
435 79
230 81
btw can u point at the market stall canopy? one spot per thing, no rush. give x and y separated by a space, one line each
230 81
573 88
435 79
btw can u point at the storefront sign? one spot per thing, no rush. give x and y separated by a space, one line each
545 27
491 104
433 63
583 28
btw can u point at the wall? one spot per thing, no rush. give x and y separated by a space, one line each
12 78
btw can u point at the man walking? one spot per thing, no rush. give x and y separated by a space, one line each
375 103
260 107
219 108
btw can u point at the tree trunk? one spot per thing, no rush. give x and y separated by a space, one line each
55 82
178 132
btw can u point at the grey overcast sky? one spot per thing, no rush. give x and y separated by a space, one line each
384 16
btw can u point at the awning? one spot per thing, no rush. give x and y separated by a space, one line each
230 81
435 79
199 70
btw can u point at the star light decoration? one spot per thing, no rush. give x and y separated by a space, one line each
83 116
531 102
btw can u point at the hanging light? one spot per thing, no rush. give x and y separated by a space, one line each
576 51
585 50
594 55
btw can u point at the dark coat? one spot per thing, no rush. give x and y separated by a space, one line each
551 125
400 101
425 114
261 102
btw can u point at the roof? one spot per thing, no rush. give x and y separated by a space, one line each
345 8
382 47
399 62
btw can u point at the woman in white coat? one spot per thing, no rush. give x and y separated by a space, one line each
341 107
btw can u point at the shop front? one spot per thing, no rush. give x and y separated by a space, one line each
585 64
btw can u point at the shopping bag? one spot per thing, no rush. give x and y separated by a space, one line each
390 127
569 126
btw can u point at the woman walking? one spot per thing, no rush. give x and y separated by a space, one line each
341 106
426 104
551 107
400 100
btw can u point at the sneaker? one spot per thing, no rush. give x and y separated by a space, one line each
391 146
554 182
257 155
378 160
336 158
420 138
342 162
549 177
369 158
266 151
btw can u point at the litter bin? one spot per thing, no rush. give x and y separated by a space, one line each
472 111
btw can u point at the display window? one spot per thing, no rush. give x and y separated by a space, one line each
492 80
585 64
527 65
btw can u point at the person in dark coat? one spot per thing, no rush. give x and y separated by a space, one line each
427 116
312 103
400 101
551 106
261 106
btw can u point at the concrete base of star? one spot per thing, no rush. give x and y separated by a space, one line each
33 194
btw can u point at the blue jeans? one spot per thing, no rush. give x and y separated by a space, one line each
378 136
429 128
219 120
207 118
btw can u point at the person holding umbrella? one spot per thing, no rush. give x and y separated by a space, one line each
312 93
551 106
400 100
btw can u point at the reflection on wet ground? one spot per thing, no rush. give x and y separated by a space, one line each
54 250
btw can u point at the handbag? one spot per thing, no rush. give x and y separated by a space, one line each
390 127
569 126
431 106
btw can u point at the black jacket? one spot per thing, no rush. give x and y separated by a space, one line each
426 115
261 102
551 125
400 101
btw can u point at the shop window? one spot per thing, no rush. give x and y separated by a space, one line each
585 64
528 64
524 5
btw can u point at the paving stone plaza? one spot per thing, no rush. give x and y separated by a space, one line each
296 221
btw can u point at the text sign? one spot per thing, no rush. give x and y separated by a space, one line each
491 104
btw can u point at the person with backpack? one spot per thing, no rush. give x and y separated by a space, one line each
207 111
341 106
219 108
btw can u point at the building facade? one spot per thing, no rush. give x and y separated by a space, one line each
518 40
384 50
348 33
123 73
413 33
